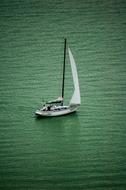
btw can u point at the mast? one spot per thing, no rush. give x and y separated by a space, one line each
64 61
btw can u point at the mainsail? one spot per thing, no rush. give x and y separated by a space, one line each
75 100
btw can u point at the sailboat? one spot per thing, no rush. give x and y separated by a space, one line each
56 107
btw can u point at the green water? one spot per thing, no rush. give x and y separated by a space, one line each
85 150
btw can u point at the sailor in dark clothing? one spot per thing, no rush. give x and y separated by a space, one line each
49 108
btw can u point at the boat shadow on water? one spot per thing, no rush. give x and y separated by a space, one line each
58 131
62 126
60 121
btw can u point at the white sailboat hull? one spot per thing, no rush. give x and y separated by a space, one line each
68 110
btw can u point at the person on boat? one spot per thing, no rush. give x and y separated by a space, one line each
49 108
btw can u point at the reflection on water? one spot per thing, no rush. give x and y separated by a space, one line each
59 124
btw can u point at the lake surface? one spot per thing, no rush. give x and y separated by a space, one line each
85 150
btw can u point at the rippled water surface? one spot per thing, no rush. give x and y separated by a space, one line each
85 150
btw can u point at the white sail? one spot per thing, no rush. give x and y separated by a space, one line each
75 100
